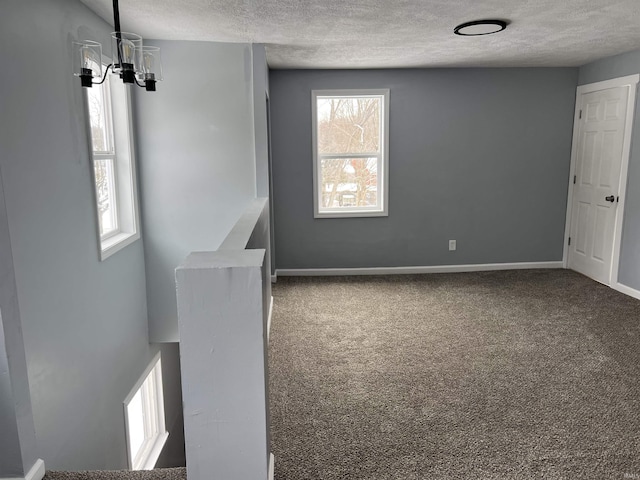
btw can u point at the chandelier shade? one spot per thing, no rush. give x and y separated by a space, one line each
87 61
150 66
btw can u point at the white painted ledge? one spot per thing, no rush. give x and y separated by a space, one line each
36 472
240 234
485 267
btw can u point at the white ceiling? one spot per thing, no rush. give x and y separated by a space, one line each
393 33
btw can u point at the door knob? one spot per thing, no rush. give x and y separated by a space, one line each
610 198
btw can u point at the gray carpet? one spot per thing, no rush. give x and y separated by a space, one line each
157 474
500 375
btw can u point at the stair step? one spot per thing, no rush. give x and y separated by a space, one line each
178 473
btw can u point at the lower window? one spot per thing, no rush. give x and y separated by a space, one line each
144 419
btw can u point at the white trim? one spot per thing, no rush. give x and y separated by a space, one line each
572 169
484 267
631 81
383 180
612 83
622 186
142 378
272 461
632 292
274 278
36 472
269 319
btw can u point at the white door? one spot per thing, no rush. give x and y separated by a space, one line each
596 189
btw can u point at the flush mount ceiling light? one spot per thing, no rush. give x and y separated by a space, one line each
480 27
132 61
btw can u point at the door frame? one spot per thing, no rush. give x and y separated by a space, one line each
631 81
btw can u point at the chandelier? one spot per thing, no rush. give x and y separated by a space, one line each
132 61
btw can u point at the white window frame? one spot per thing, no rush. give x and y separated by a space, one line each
150 384
382 209
118 118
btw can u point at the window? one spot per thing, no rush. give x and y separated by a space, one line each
144 419
350 152
113 165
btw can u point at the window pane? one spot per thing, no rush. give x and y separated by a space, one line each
349 182
135 417
96 97
348 124
106 196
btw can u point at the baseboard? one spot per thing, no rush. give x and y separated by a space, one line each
272 461
36 472
269 319
632 292
274 278
485 267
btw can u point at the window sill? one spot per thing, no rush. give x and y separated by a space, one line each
352 214
116 243
149 462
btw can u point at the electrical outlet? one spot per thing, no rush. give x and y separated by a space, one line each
452 245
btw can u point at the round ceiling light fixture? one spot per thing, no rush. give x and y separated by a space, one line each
480 27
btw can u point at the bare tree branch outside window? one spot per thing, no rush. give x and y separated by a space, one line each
104 157
349 126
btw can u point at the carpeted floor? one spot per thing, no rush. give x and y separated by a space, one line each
157 474
499 375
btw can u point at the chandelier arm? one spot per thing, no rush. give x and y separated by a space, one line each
140 84
106 72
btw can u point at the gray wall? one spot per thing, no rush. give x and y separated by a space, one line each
477 155
84 321
612 67
197 162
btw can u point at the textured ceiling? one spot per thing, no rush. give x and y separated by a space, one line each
393 33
